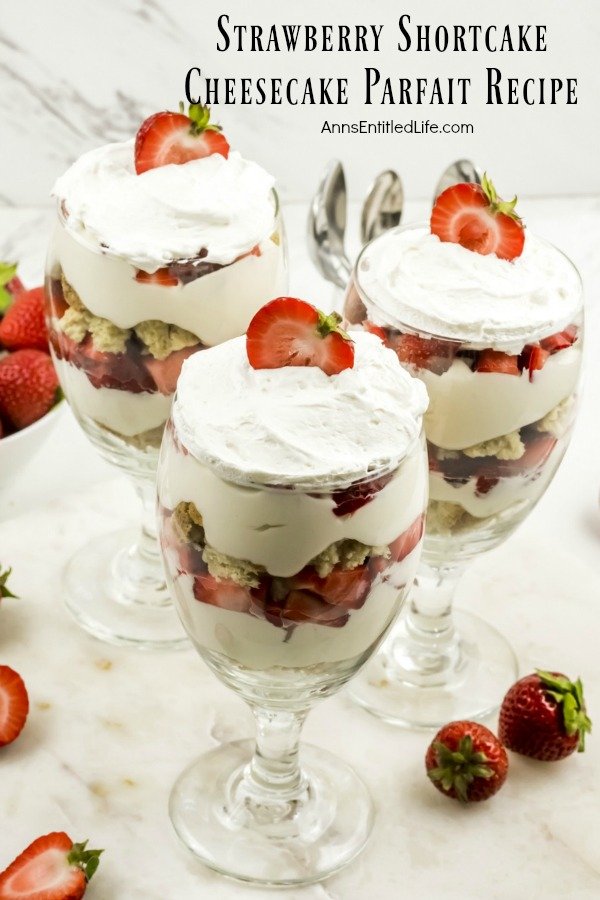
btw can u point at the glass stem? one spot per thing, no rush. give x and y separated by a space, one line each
275 767
147 545
428 653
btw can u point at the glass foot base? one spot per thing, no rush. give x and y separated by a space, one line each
120 596
473 689
280 843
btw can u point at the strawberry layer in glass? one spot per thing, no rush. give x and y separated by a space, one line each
498 345
304 572
146 269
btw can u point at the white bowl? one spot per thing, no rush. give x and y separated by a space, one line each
17 449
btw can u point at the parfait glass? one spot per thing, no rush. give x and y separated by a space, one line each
497 428
118 343
284 611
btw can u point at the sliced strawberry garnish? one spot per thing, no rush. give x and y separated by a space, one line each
348 500
342 587
168 138
14 705
165 372
24 324
473 216
51 868
561 340
423 353
533 358
497 361
291 332
408 540
304 607
162 277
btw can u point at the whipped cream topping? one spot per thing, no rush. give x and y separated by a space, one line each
222 206
408 277
297 425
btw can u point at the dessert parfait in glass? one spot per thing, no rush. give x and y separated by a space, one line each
163 247
490 318
292 488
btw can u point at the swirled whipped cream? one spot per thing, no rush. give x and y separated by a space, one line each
221 206
297 425
409 278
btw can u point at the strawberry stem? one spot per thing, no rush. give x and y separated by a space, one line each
7 273
569 696
199 117
330 322
459 768
497 205
86 860
4 589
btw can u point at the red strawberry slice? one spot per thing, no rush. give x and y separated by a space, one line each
348 500
165 372
377 330
304 607
119 371
51 868
168 138
423 353
57 305
291 332
224 593
342 587
162 277
28 387
14 705
533 358
24 325
484 484
537 451
561 340
408 540
496 361
473 216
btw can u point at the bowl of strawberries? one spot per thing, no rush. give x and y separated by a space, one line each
30 397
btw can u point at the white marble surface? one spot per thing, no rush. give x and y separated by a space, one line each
76 73
110 729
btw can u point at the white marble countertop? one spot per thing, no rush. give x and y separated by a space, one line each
109 729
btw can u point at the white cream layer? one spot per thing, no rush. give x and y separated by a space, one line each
257 644
467 407
510 494
409 278
297 425
223 206
121 411
214 307
283 530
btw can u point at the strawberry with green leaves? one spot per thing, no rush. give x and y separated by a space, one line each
24 324
169 138
5 591
10 285
466 762
51 868
474 216
544 716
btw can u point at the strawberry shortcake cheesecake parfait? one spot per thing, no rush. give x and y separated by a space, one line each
490 318
165 245
291 495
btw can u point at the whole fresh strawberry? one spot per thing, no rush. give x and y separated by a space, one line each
4 588
291 332
10 285
14 705
28 387
543 716
474 216
51 868
466 761
24 324
173 138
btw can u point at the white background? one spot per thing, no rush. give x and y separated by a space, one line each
76 73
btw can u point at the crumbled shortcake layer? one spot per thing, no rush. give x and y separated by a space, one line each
446 518
557 421
188 525
507 446
159 338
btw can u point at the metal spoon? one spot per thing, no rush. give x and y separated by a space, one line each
382 207
462 170
327 225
